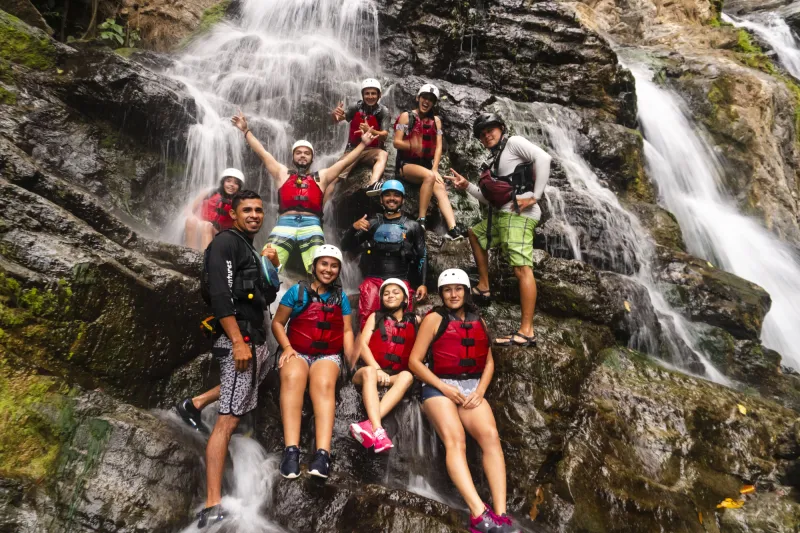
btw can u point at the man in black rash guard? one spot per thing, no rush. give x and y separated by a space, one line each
236 286
391 246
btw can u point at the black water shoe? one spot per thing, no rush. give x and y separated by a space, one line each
290 463
191 415
211 515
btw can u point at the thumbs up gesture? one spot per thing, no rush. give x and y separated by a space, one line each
362 224
338 112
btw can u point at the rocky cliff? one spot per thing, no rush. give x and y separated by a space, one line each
98 319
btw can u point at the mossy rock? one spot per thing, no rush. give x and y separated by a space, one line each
25 45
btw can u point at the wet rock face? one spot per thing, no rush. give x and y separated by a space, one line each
529 52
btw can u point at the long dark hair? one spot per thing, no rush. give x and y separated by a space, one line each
469 306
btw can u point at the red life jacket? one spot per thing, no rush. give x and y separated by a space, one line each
300 193
392 341
319 328
354 137
460 348
423 128
216 209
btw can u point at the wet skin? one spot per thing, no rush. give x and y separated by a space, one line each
230 186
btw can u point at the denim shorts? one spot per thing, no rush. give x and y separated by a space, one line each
465 386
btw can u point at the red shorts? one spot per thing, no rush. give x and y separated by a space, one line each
369 300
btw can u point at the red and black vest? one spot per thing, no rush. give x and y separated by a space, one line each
301 193
392 341
499 190
423 128
319 328
216 209
460 347
354 136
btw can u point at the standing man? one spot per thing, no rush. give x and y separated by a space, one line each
237 291
300 194
391 246
512 181
366 115
418 139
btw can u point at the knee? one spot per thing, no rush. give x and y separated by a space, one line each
405 379
370 374
191 223
455 444
324 386
292 380
523 272
383 156
225 425
489 438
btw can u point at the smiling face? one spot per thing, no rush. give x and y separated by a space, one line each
393 297
371 96
326 269
491 136
248 215
302 156
231 185
391 200
453 296
426 101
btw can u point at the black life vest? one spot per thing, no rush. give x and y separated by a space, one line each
361 116
389 238
319 328
423 128
499 190
301 193
460 347
392 341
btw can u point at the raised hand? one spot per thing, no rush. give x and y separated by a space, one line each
239 121
362 224
338 112
458 181
272 254
367 137
421 294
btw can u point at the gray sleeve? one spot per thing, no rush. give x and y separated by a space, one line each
350 112
527 151
475 191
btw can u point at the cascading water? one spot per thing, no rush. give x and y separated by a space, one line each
606 235
773 30
285 64
689 179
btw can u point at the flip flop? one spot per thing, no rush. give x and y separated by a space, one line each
512 341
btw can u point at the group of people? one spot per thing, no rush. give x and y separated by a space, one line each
448 350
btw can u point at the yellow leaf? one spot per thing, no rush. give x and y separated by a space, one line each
709 264
627 305
700 517
742 408
747 489
59 71
729 503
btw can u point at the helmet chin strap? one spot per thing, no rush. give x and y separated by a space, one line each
392 211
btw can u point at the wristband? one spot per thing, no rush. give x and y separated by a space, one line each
246 132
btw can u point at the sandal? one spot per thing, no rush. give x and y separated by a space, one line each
482 298
512 341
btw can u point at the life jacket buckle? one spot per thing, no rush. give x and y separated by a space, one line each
467 342
467 362
323 325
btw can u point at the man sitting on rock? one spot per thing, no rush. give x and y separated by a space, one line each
300 194
512 181
209 212
368 114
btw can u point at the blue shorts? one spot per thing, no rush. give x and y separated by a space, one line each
465 386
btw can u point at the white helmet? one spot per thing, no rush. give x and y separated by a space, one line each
300 143
232 173
394 281
371 83
429 88
453 276
328 250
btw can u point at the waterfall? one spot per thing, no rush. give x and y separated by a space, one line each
285 64
773 29
602 232
689 179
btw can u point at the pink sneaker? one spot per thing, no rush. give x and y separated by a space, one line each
362 432
382 441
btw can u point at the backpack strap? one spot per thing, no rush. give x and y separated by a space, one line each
380 319
439 332
412 118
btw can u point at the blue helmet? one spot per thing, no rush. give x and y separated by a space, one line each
393 185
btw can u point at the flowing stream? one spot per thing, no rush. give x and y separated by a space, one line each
689 179
773 29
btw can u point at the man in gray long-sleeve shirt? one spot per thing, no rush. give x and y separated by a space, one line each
511 184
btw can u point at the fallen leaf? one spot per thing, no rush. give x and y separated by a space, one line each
730 503
627 305
747 489
58 70
536 502
700 517
742 409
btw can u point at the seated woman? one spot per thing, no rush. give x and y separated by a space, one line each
458 372
209 212
319 329
386 342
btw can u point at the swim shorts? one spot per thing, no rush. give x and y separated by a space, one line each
303 232
513 233
238 394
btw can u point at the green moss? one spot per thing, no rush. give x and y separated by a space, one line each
125 52
7 97
24 45
750 54
211 16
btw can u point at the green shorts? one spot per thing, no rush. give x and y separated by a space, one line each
512 233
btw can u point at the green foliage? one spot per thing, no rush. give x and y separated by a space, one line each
24 45
111 31
213 15
7 97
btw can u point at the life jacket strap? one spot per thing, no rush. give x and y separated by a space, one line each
467 362
324 325
393 358
319 345
467 342
398 339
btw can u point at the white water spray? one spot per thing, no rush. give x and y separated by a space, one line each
689 179
773 30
